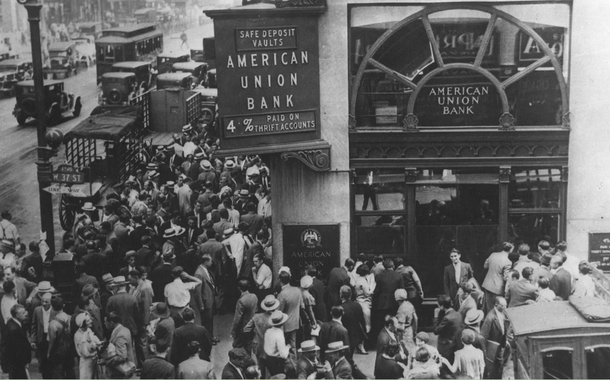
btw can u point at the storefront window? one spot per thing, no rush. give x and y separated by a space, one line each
598 362
531 228
380 189
459 65
384 234
535 188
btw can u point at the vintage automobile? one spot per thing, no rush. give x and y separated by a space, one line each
85 47
144 15
118 88
63 58
199 71
93 29
57 101
142 69
555 341
212 82
175 80
209 104
13 71
165 61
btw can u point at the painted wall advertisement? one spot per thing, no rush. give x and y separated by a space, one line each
268 80
316 245
599 250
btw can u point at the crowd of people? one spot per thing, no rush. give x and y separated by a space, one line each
187 239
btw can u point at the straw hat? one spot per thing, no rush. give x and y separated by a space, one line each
107 278
120 281
308 346
88 206
228 232
45 287
187 128
336 346
270 303
278 318
168 233
206 165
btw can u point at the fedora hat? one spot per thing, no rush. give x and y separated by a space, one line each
308 346
306 282
88 291
270 303
167 256
107 278
335 346
243 226
546 259
160 310
244 193
45 287
88 206
228 232
7 244
187 128
206 165
229 164
278 318
120 281
473 317
168 233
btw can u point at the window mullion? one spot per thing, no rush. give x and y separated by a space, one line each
437 53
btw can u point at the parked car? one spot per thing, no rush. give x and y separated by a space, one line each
118 88
63 60
13 71
165 61
57 102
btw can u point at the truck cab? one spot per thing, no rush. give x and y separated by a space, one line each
63 59
199 71
143 71
165 61
13 71
182 81
118 88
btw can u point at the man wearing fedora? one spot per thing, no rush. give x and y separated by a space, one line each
472 322
275 346
125 306
244 311
83 279
258 325
162 275
308 364
165 328
339 365
207 293
89 302
185 334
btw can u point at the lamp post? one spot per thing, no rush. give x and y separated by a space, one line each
45 167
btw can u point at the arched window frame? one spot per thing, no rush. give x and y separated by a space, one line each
506 120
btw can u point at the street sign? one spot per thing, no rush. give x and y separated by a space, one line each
82 190
68 174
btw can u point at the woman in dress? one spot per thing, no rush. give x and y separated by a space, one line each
364 287
584 286
86 346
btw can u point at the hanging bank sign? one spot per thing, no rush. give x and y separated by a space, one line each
268 78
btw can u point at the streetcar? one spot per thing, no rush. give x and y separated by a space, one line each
135 42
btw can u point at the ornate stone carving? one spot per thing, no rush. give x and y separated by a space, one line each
352 123
507 121
299 3
505 174
565 120
410 123
411 175
317 159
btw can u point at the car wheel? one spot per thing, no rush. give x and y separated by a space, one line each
55 114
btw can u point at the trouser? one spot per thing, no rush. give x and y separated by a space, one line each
176 314
17 372
141 345
43 359
275 365
207 320
369 193
58 368
490 299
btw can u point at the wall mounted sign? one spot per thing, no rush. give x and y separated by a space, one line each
459 42
268 79
599 250
530 51
316 245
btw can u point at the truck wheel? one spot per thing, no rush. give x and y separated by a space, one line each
66 213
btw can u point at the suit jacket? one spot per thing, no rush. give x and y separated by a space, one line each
317 291
161 276
542 271
447 326
386 368
492 329
259 324
331 331
207 290
15 347
186 334
37 328
387 283
561 283
254 220
83 280
353 320
383 340
244 311
23 288
230 372
342 369
336 279
519 292
449 281
191 235
291 299
126 306
305 368
122 340
497 264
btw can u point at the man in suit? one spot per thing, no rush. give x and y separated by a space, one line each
336 279
143 294
447 323
187 333
82 280
544 269
121 338
333 330
384 302
207 293
244 311
238 357
146 255
308 363
317 291
455 274
386 366
125 306
521 291
42 315
561 282
130 257
497 328
497 265
387 335
192 231
23 287
259 324
290 303
15 348
254 220
340 366
161 276
353 319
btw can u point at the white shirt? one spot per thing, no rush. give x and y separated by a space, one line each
237 244
46 315
457 268
275 343
501 320
189 148
177 292
263 276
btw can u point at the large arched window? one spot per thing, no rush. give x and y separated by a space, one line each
459 66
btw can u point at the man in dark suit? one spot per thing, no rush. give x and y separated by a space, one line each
561 283
336 279
187 333
207 293
161 276
384 302
462 270
497 328
386 367
308 362
317 291
244 311
82 280
335 354
353 319
146 255
130 257
447 323
125 306
387 335
15 347
332 331
192 231
521 291
39 336
234 368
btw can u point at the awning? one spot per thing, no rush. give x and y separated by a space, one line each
314 153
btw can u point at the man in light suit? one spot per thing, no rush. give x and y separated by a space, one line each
497 265
561 283
43 314
207 294
244 311
290 303
120 337
521 291
455 274
497 328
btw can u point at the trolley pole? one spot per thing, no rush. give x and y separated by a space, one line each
45 167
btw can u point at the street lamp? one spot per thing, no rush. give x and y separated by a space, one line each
45 167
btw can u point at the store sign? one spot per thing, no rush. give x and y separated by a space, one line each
461 41
268 79
316 245
530 51
599 250
68 174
